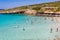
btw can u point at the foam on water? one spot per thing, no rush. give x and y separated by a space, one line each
23 27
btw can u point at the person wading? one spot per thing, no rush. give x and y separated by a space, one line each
56 29
51 30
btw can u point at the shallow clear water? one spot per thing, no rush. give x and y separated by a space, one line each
26 27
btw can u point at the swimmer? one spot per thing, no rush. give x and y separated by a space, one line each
57 20
23 29
54 39
45 18
31 22
52 19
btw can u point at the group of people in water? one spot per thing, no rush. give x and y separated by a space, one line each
32 22
51 30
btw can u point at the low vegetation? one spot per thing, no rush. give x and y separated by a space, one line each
37 7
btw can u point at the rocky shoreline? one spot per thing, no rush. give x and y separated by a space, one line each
38 14
48 14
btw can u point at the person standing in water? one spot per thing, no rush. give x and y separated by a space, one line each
51 30
56 29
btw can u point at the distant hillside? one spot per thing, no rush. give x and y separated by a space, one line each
1 9
38 6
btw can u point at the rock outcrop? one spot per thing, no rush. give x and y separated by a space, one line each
30 12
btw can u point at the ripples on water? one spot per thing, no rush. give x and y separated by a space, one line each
25 27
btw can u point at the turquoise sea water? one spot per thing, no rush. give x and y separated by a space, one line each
26 27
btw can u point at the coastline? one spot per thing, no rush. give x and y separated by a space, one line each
38 14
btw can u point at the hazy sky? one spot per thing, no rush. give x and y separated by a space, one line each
15 3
